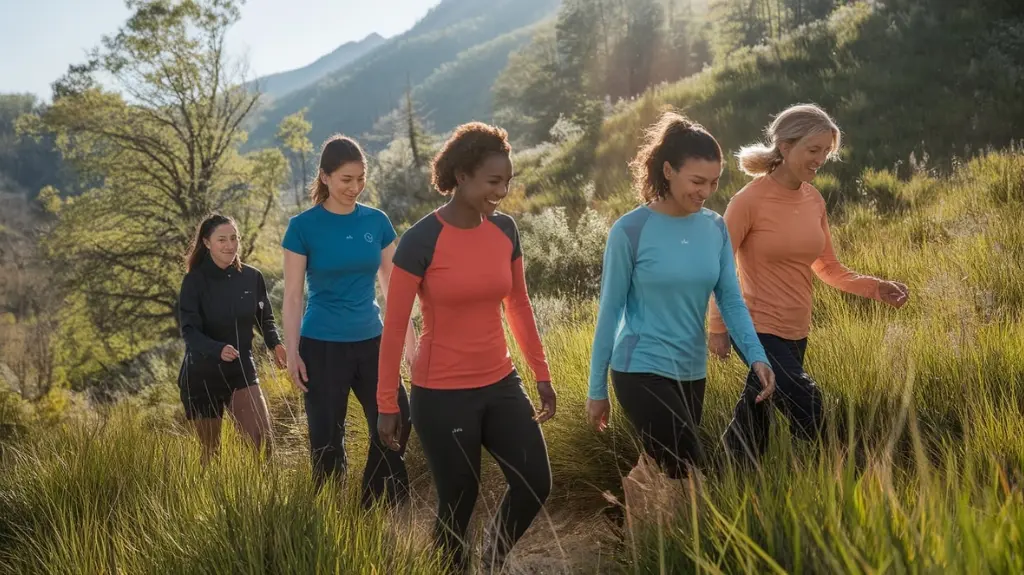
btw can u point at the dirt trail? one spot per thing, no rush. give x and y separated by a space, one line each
564 538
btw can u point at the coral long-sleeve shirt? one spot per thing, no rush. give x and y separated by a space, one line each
463 278
780 237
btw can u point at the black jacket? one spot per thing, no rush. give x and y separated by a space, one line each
221 307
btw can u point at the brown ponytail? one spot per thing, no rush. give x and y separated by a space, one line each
337 151
674 139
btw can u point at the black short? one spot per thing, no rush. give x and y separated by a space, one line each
206 396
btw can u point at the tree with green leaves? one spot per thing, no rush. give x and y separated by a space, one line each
400 174
28 164
163 141
527 96
293 136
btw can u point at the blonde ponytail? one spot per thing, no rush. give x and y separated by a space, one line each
758 159
792 125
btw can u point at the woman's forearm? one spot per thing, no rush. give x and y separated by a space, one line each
292 322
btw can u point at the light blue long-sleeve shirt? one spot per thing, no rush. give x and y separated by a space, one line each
659 274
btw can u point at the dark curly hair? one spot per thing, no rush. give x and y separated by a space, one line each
674 138
464 151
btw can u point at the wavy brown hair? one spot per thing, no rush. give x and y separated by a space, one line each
337 151
674 138
464 151
197 251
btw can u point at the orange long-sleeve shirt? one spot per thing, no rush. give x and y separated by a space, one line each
780 237
463 278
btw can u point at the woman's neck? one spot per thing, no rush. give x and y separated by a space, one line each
336 207
785 178
669 207
218 263
460 215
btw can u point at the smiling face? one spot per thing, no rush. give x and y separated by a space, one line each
803 158
345 184
693 183
484 189
223 245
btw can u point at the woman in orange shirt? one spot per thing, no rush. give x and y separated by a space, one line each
780 235
465 263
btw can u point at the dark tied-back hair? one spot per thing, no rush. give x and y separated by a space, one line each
674 138
337 151
464 151
198 250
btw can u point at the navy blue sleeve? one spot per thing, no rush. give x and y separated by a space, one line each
509 228
416 248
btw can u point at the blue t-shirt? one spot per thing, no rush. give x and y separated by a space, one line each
343 254
659 274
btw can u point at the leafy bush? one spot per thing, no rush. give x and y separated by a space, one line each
562 258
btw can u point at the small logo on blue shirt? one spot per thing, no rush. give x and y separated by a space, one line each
368 237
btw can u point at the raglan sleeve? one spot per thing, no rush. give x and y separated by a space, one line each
412 258
616 276
519 311
737 223
831 271
733 310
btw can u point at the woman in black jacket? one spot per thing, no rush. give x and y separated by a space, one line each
221 301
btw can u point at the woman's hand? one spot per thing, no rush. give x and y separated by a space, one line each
718 344
229 353
895 294
389 428
547 401
767 376
597 413
297 371
280 356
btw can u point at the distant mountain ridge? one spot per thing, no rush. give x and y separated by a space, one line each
451 58
283 83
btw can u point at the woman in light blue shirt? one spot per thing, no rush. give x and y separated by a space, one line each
662 263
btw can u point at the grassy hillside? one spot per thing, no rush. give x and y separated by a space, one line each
459 91
274 86
922 472
897 84
371 87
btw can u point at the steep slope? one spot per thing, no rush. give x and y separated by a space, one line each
890 75
460 90
277 85
351 101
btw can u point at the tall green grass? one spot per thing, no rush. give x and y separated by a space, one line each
920 470
117 497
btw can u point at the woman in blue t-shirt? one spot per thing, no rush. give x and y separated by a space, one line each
337 248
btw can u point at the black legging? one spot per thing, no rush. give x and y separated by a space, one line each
333 370
452 425
796 395
666 415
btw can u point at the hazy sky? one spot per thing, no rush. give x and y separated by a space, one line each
40 38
